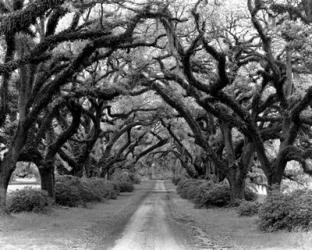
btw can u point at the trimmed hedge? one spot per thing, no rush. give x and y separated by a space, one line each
125 187
218 195
67 195
248 208
124 176
209 194
134 178
70 191
28 200
73 191
290 212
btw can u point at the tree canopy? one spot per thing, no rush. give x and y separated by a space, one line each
88 87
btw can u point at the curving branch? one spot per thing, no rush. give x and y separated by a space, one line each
150 149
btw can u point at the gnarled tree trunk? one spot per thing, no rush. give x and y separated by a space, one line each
5 176
238 172
237 179
8 164
47 179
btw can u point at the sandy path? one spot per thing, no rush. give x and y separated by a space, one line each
149 226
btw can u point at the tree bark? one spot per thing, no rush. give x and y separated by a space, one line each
6 171
3 194
308 9
238 172
237 184
274 181
48 179
8 164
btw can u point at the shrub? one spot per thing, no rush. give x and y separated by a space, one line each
123 175
291 211
250 195
109 190
204 188
67 192
116 187
175 179
28 199
209 194
217 195
134 178
248 208
105 189
125 187
88 191
72 191
188 188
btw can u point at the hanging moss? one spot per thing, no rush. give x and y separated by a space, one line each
21 19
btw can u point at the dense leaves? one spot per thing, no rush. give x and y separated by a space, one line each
248 208
73 191
209 194
28 200
291 211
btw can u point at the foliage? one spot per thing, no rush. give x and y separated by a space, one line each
189 188
250 195
78 84
107 189
72 191
248 208
67 192
209 194
125 186
28 199
291 211
88 192
176 179
125 176
217 196
202 194
134 178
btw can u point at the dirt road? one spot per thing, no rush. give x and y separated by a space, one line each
151 226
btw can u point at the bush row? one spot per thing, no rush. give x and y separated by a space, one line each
290 212
69 191
207 193
72 191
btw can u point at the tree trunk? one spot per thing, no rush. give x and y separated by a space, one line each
274 182
238 171
237 184
308 9
3 193
278 169
48 179
6 171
